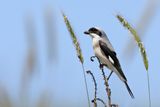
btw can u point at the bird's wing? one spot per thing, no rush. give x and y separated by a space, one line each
111 56
105 38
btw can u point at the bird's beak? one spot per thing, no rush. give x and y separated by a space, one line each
86 32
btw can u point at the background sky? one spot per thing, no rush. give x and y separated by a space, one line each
62 78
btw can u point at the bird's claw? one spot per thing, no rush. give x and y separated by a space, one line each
91 58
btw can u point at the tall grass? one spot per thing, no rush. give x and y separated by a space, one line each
78 50
137 39
141 47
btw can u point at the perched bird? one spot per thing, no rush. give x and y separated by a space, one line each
104 51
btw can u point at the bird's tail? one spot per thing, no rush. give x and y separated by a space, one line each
129 90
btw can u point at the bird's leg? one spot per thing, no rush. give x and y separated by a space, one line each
109 75
99 61
101 66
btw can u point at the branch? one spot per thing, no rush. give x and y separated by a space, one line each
95 88
108 90
98 99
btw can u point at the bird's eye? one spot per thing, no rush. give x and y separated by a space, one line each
99 33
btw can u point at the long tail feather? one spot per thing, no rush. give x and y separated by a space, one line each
129 90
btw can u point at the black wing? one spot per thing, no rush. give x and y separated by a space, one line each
111 55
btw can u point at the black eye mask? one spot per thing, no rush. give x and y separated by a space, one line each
96 31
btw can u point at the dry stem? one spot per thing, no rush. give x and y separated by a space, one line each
95 88
108 90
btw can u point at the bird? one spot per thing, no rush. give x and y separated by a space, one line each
106 54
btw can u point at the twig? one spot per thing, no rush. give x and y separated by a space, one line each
95 88
98 99
114 105
108 90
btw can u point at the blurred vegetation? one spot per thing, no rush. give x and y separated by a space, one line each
29 68
142 25
31 59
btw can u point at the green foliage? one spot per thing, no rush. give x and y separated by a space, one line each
137 39
74 38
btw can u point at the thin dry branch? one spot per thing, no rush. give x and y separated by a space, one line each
98 99
95 88
108 90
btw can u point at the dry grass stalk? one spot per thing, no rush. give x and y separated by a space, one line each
141 47
74 38
137 39
78 49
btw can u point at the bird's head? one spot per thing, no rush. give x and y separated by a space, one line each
95 32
